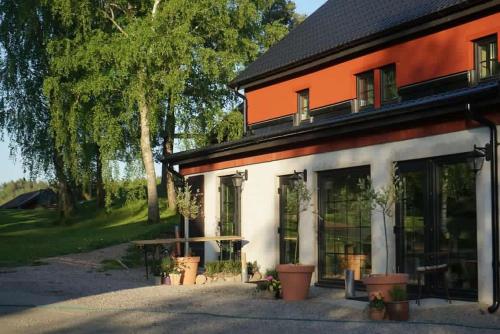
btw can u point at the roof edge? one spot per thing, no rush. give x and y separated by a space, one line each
397 114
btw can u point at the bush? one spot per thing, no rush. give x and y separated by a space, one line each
222 267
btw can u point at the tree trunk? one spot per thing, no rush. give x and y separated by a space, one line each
167 177
100 195
66 197
147 159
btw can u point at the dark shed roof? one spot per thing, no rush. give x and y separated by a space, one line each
342 23
43 197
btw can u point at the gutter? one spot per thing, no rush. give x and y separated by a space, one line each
245 109
493 153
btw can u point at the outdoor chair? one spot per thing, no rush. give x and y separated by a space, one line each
436 264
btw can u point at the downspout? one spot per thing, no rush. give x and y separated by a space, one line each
245 109
494 200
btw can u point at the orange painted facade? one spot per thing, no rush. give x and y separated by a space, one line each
451 50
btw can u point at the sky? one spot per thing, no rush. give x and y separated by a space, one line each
11 169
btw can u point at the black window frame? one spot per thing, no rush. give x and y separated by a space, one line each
359 77
323 234
383 84
300 95
477 63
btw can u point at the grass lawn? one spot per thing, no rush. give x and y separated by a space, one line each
28 235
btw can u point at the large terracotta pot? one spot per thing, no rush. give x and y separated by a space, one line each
399 311
385 283
295 280
189 268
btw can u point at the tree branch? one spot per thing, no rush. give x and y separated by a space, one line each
155 7
112 19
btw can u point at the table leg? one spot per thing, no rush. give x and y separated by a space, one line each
146 261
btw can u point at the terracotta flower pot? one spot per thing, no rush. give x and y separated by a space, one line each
377 314
295 280
385 283
165 280
399 311
189 268
175 279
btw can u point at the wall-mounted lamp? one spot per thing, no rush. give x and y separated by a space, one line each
300 175
476 160
239 177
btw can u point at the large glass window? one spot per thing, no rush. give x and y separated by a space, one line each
289 220
366 92
303 104
389 89
229 215
344 224
436 223
486 57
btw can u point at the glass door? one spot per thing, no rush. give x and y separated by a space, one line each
289 221
436 222
344 225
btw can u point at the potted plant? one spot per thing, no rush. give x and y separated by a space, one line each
167 266
188 207
175 276
399 308
383 200
295 278
273 283
376 306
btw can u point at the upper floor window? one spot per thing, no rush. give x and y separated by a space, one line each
366 91
486 57
389 89
303 104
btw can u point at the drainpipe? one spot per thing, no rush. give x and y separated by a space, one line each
494 200
245 109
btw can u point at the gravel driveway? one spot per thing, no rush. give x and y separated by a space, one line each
70 295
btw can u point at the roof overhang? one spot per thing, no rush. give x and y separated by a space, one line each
483 95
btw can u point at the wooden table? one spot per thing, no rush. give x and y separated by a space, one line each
154 243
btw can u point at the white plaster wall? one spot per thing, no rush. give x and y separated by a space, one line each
260 200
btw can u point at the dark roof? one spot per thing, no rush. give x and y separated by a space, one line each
44 197
339 24
394 114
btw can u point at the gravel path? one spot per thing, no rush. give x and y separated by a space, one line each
71 296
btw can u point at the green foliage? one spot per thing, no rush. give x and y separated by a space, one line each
12 189
222 267
230 128
169 266
28 235
299 197
398 294
272 272
187 202
377 301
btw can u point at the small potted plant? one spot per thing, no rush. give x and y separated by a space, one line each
175 275
274 285
377 306
295 278
398 309
188 207
383 200
166 265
